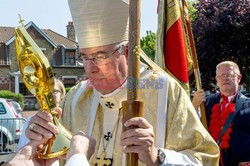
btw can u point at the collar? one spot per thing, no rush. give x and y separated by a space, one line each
112 101
229 98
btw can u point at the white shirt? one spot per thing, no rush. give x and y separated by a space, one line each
77 160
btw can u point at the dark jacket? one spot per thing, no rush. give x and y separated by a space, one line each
239 143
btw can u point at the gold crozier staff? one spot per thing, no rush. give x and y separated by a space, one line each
38 77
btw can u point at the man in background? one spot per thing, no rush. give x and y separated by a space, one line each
235 141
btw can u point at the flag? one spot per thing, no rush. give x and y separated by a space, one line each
173 53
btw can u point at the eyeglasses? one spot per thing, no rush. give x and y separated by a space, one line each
98 58
227 76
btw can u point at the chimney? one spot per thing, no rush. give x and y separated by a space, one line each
71 31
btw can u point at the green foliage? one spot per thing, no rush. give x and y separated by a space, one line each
192 10
10 95
67 89
148 44
221 31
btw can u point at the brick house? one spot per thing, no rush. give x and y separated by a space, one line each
61 52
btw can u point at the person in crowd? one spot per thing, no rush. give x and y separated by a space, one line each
59 92
234 141
81 148
169 133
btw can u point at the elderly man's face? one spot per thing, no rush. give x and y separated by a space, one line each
227 80
105 67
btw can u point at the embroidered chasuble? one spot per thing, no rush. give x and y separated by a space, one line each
183 128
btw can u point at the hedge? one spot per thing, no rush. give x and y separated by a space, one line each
10 95
67 89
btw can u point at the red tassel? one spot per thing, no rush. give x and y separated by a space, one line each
231 107
218 119
225 138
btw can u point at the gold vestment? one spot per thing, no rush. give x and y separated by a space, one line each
184 130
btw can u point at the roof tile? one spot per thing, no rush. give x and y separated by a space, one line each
7 32
59 39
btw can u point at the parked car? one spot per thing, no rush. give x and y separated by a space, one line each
17 108
11 123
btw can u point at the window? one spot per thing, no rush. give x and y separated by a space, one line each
23 90
2 109
64 57
4 55
69 81
69 58
58 57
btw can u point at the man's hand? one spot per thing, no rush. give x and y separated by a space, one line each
140 140
26 155
199 97
41 125
81 143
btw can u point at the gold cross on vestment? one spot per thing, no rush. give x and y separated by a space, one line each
102 161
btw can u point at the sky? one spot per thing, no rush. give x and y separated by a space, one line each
55 14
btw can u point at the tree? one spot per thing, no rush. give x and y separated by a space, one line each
222 32
192 10
148 44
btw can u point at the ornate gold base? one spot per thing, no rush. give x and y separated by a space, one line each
52 155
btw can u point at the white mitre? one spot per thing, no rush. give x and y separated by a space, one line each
99 22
